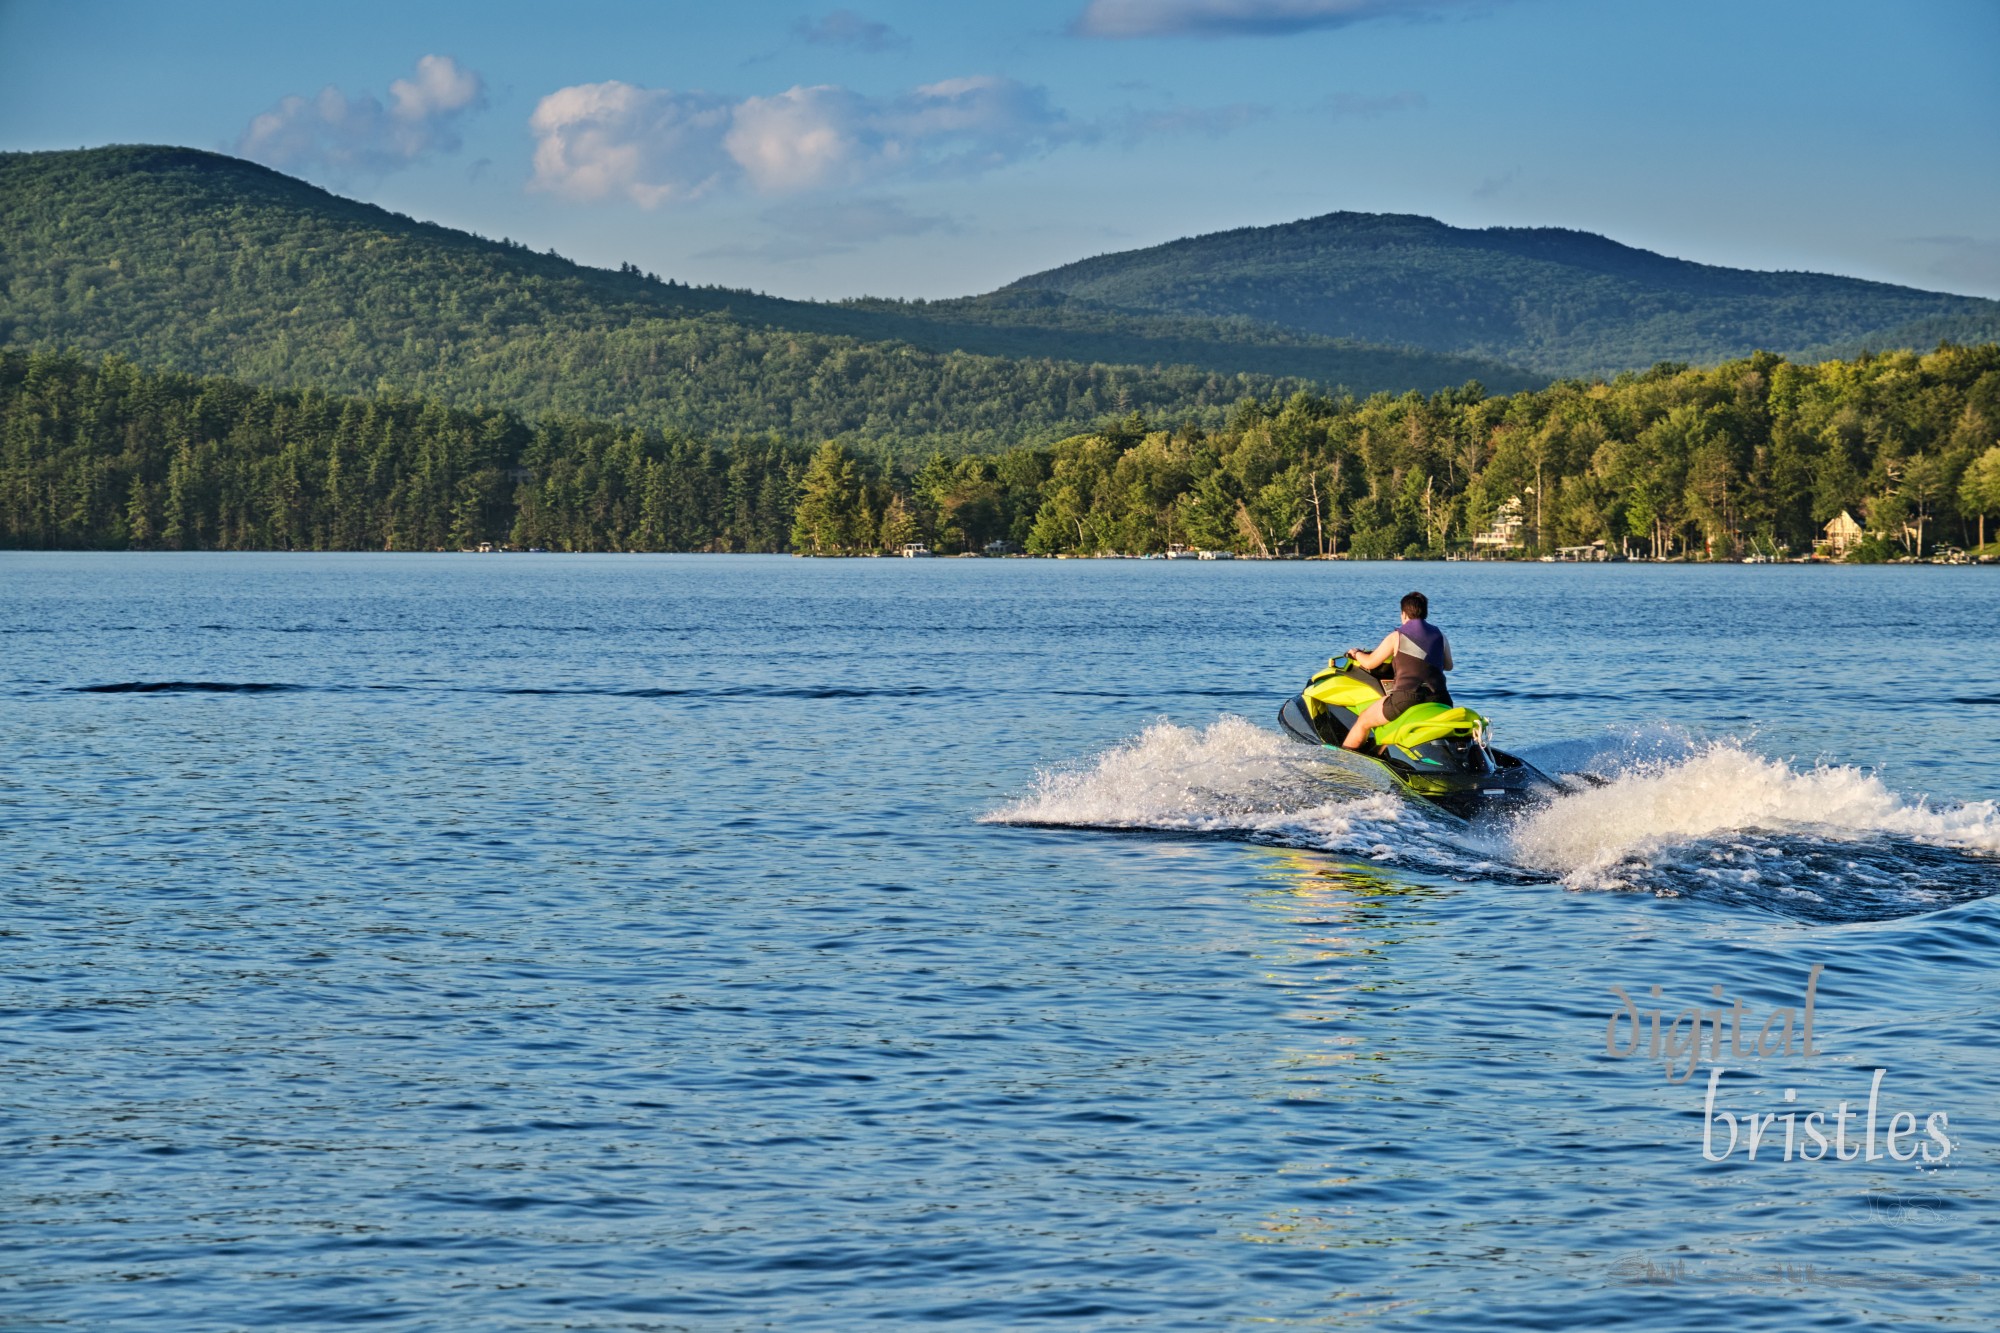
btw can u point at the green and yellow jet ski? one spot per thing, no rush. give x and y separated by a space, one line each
1436 752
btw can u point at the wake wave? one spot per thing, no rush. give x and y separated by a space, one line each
1658 813
1590 836
1236 778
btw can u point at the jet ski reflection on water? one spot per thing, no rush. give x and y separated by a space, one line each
1436 752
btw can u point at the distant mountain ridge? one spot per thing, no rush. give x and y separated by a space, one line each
201 262
1562 302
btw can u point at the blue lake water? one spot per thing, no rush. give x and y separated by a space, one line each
561 942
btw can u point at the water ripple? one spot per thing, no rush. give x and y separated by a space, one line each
399 951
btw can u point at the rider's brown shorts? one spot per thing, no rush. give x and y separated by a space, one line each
1400 699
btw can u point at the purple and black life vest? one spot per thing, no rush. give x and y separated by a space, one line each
1419 661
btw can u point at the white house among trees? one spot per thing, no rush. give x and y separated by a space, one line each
1843 534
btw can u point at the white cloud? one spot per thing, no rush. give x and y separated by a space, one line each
440 88
649 145
655 145
802 138
358 135
1239 18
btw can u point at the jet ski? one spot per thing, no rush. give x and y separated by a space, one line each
1438 753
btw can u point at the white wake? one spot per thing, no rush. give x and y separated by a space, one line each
1664 810
1595 837
1230 777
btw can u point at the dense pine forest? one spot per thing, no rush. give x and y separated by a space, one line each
99 454
1752 455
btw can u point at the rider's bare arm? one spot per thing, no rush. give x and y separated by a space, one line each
1383 652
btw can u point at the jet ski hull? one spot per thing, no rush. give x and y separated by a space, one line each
1461 775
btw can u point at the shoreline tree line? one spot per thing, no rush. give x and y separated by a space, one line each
1753 455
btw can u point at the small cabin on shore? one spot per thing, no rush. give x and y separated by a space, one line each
1843 534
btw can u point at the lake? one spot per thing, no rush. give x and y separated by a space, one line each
632 942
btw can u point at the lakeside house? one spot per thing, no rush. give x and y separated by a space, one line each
1843 534
1505 533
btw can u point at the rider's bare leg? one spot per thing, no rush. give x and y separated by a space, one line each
1371 718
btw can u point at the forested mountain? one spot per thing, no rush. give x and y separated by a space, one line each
194 261
209 264
1755 454
1566 303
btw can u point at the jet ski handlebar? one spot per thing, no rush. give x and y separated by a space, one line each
1346 662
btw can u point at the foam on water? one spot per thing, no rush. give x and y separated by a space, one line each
1230 777
1666 814
1594 838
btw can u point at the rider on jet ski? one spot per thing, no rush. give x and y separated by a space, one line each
1421 655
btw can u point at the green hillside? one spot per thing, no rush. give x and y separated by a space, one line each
1020 322
209 264
1561 302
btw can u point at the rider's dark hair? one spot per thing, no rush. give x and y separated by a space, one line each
1416 606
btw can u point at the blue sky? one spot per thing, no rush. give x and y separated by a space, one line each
930 150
